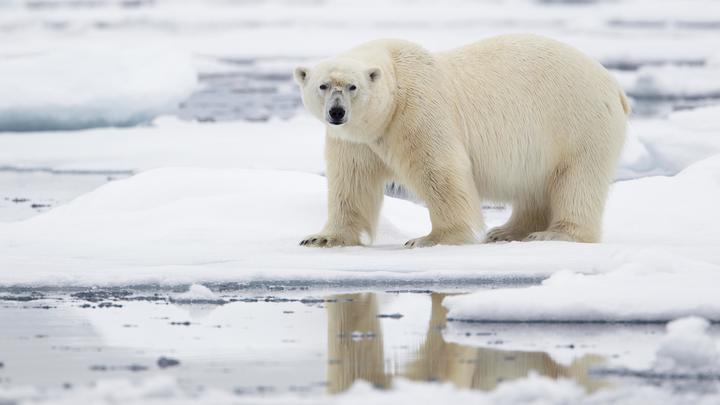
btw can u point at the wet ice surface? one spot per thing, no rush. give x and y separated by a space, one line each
273 339
25 193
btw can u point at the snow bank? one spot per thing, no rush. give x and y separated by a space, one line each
73 87
677 210
656 290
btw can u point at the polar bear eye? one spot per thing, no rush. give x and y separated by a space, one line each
323 86
352 87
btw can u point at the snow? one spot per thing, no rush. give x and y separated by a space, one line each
121 85
661 209
532 390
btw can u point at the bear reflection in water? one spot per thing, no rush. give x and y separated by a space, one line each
352 358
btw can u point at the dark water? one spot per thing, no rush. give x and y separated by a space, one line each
252 90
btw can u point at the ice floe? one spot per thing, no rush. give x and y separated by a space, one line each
180 225
74 87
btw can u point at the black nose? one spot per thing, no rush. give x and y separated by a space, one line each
337 113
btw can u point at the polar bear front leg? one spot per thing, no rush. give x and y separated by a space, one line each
453 202
356 179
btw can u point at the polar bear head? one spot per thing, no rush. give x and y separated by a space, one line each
343 92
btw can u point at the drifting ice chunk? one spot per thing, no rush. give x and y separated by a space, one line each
688 347
197 292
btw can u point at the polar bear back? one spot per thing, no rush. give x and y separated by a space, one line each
524 105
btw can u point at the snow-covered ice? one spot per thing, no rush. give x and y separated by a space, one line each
666 146
169 142
656 288
195 225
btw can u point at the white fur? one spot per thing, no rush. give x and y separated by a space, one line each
515 118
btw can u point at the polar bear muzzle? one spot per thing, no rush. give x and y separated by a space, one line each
337 112
336 115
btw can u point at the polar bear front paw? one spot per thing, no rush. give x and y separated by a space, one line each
501 234
425 241
441 238
549 235
327 240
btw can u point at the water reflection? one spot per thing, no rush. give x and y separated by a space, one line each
356 351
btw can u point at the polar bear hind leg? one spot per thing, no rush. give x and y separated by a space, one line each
578 187
577 198
528 216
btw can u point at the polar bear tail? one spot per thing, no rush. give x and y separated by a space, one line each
625 103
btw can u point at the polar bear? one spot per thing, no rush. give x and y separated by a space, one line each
516 118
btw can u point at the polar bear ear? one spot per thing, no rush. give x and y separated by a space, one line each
301 74
374 73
